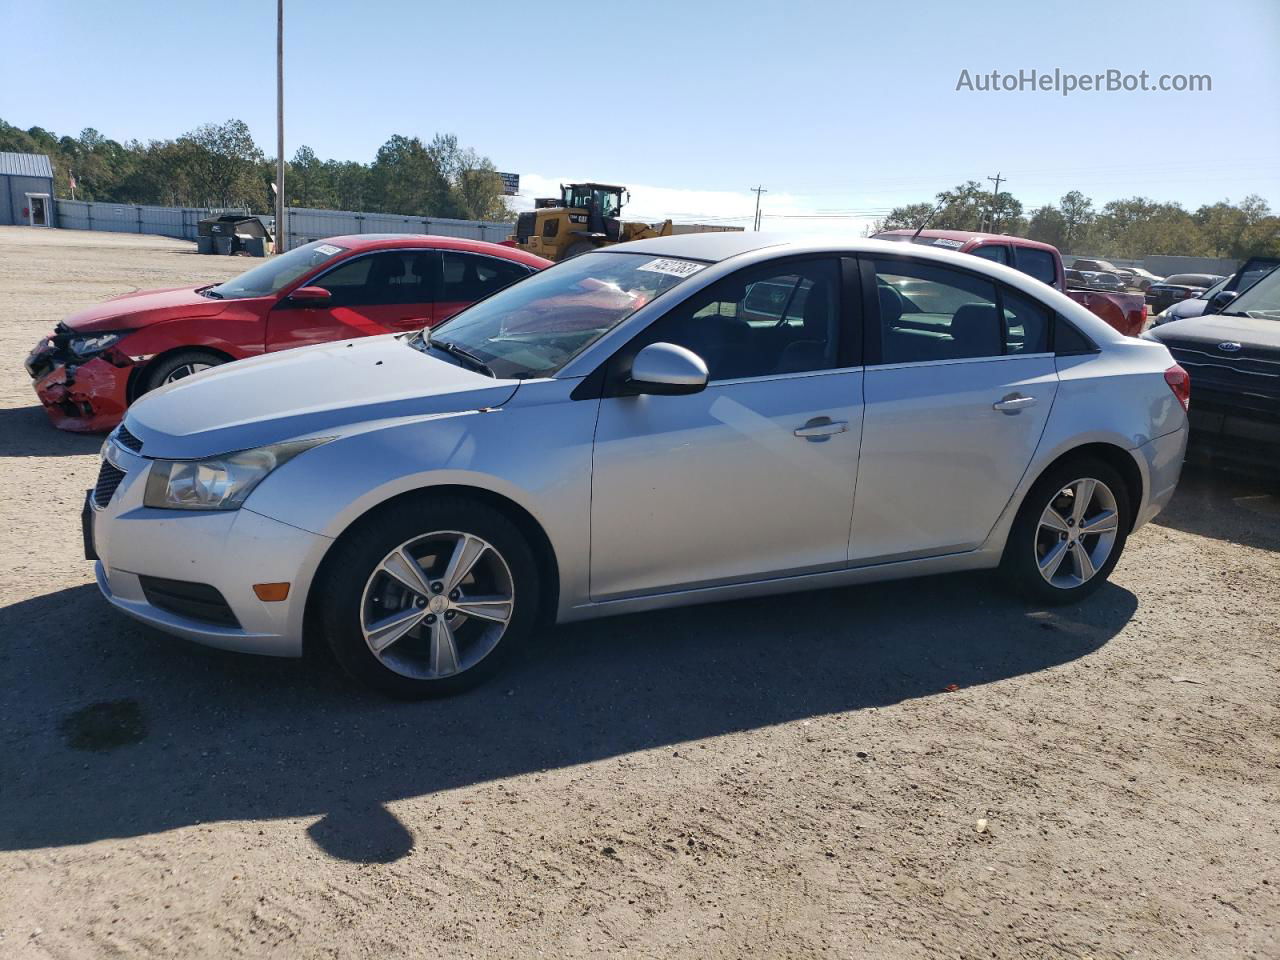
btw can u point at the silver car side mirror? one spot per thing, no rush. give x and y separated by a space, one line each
667 370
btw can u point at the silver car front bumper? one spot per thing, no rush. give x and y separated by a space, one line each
229 551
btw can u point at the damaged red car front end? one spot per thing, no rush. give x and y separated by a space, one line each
83 394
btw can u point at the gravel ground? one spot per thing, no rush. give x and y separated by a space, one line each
921 769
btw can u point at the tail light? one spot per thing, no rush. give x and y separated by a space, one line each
1179 382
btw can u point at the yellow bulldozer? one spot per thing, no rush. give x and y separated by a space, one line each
585 216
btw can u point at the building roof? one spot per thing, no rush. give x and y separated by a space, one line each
25 165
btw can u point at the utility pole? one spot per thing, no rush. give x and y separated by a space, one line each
282 232
994 195
757 191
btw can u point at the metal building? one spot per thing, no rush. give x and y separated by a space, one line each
26 189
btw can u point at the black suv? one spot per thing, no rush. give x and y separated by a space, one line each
1234 361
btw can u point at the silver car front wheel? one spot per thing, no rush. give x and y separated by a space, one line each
437 605
429 595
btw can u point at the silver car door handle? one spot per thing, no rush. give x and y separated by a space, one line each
819 428
1013 403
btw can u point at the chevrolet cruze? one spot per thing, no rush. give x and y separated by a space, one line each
670 421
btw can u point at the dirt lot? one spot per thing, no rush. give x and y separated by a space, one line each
802 777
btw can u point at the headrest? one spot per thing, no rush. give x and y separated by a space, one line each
890 305
974 325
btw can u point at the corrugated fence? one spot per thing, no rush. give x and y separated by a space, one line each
305 224
177 222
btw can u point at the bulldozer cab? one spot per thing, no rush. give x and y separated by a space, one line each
586 216
601 198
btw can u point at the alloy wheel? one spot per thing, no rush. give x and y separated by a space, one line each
1076 533
186 370
437 605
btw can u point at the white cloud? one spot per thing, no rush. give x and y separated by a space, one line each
783 212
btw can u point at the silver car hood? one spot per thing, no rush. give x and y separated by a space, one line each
304 392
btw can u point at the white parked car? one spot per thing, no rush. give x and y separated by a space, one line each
665 422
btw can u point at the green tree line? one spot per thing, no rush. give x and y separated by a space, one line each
1127 229
220 165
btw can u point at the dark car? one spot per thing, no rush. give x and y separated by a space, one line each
1107 281
1234 361
1254 269
1093 266
1179 287
1075 280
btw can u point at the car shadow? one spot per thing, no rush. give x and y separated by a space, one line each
1235 507
27 432
114 730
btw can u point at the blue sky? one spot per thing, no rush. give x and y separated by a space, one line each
840 109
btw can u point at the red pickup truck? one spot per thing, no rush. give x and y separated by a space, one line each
1127 312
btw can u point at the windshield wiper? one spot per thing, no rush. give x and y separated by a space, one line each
470 359
211 294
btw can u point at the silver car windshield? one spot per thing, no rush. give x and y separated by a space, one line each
536 326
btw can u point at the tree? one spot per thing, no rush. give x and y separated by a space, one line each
307 180
905 218
1048 225
224 165
350 182
405 178
1077 217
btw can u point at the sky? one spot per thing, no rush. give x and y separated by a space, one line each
841 110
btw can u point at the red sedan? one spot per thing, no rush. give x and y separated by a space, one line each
99 360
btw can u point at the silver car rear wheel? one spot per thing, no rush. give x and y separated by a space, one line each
1076 533
437 605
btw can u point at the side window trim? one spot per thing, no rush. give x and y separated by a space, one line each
873 330
438 288
316 280
1021 253
1050 314
1006 253
612 378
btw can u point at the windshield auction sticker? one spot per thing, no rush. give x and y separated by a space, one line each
328 249
673 268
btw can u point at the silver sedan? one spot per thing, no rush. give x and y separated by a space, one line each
666 422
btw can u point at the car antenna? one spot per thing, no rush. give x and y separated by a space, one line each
925 222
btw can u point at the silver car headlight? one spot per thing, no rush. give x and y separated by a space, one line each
92 344
218 483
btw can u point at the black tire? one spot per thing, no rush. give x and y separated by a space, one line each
348 571
1027 541
159 371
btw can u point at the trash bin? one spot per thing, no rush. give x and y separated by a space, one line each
235 228
204 244
254 246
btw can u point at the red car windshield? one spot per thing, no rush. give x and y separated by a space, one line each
277 273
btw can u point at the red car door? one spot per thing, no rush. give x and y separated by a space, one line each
468 277
384 292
